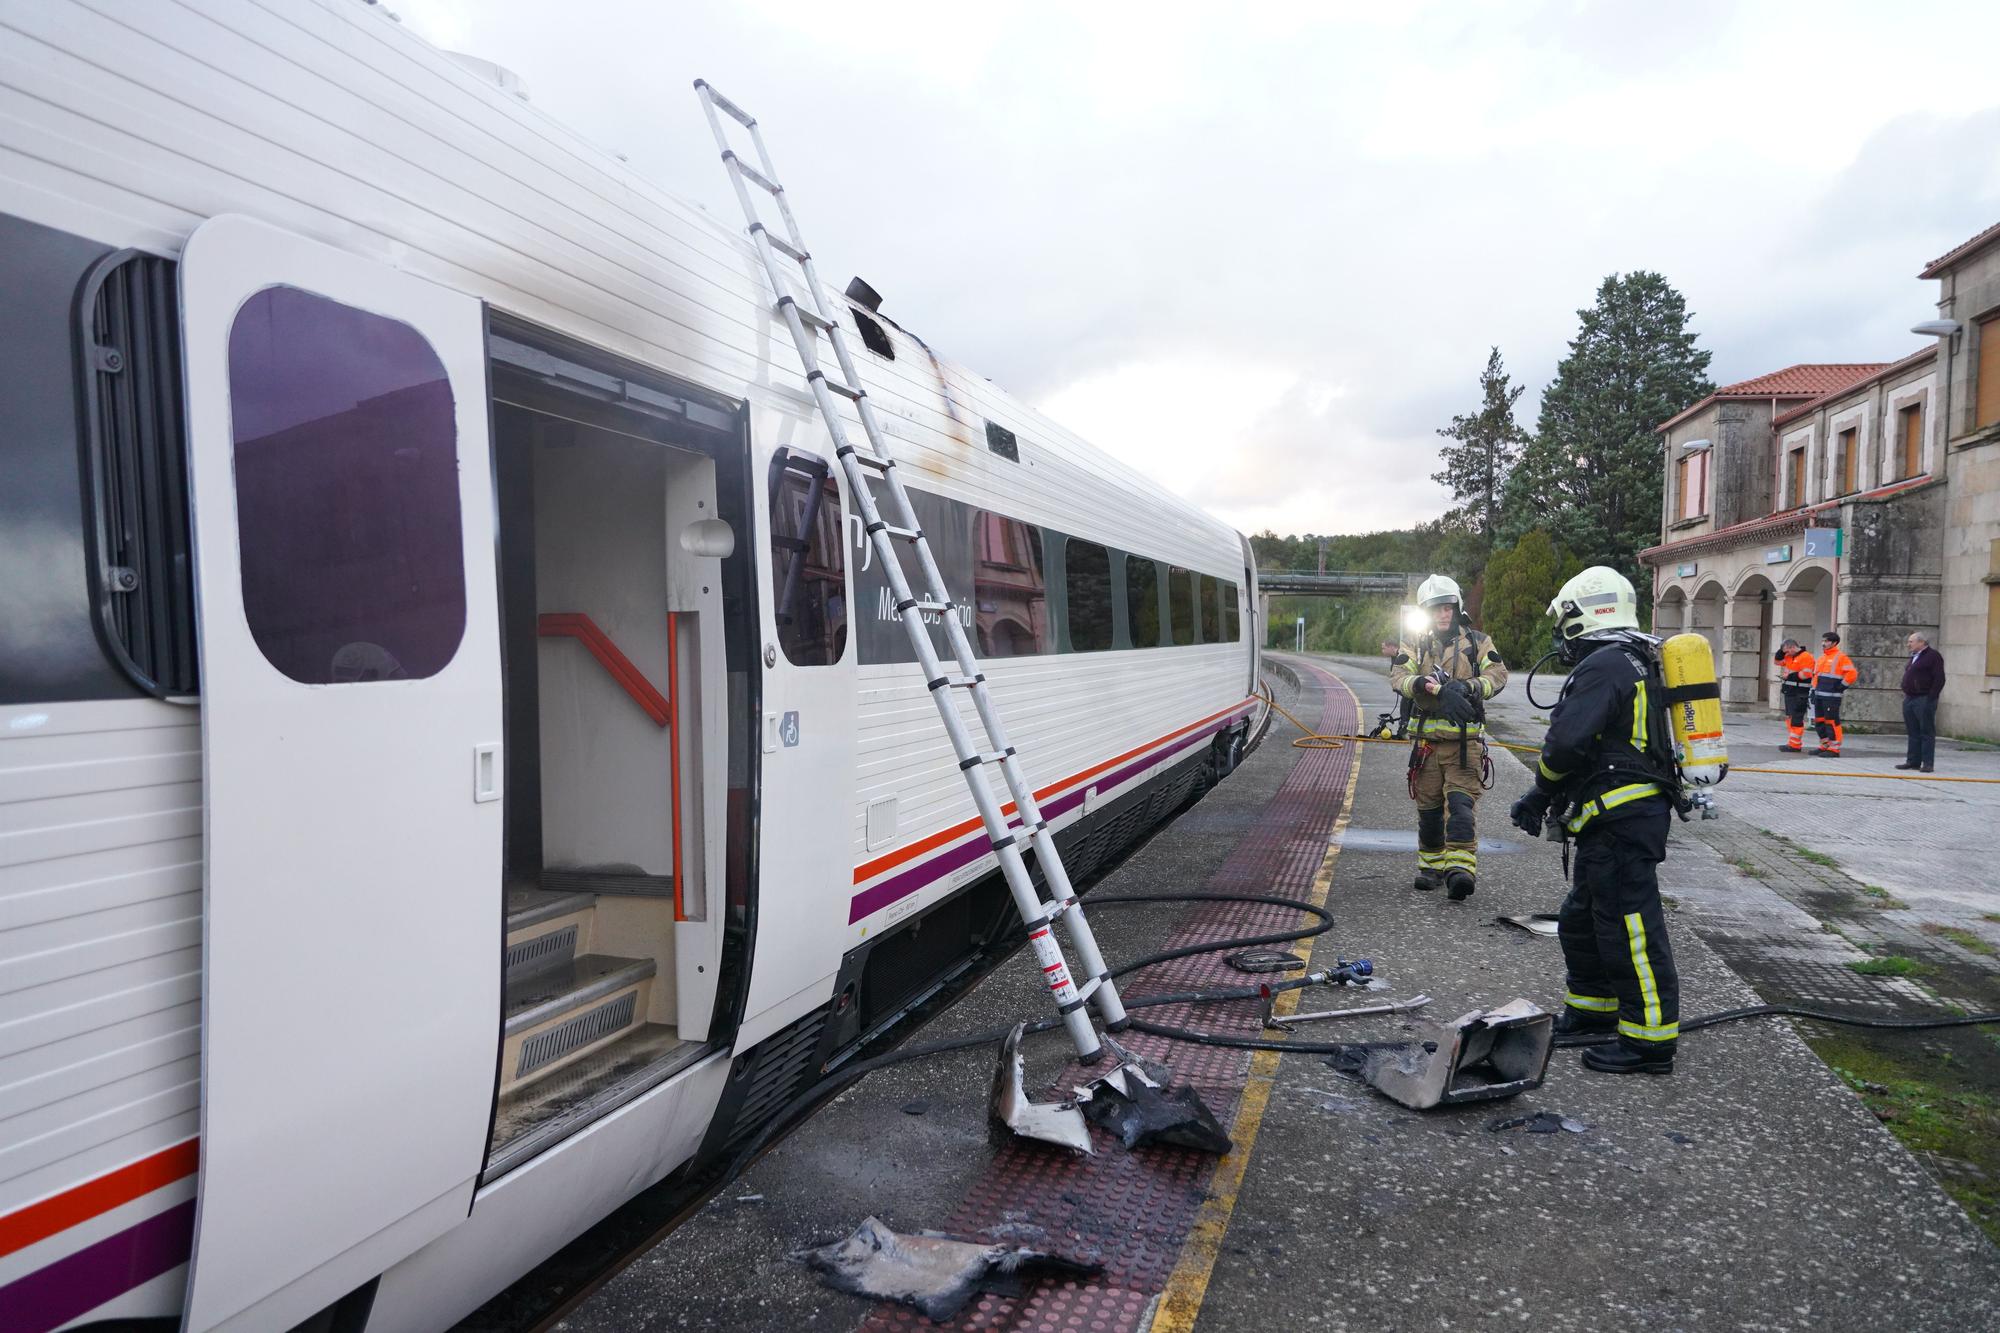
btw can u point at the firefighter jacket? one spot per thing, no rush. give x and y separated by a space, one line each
1607 755
1833 673
1796 672
1463 654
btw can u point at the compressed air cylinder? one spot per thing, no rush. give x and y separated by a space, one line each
1694 703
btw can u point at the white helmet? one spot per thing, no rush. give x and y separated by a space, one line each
1597 599
1437 588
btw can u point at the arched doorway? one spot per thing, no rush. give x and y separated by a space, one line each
1750 634
1804 609
1705 615
1670 612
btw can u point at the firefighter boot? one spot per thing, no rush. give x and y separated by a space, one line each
1428 879
1624 1058
1574 1023
1459 884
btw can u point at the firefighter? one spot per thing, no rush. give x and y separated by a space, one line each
1608 773
1796 667
1832 674
1447 672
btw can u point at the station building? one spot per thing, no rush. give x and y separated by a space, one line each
1859 496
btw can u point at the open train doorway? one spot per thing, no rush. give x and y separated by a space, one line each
616 549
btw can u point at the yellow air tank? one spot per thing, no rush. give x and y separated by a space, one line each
1694 703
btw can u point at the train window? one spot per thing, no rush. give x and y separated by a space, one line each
808 560
1008 587
1211 608
1232 624
1087 581
1142 601
1002 442
1180 603
346 458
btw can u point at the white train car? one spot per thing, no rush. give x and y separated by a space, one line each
457 767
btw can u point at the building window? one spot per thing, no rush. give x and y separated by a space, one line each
808 561
347 518
1087 583
1910 442
1845 461
1986 382
1693 484
1180 603
1142 601
1009 588
1795 478
1232 621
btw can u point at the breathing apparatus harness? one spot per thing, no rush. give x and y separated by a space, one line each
1421 747
1658 764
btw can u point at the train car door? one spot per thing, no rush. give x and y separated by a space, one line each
351 721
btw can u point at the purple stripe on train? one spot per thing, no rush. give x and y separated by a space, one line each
78 1283
898 887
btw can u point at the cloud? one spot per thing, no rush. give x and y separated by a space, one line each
1261 250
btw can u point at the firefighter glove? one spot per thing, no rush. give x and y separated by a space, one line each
1529 812
1456 702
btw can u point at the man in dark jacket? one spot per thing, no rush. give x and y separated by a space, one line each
1605 771
1923 682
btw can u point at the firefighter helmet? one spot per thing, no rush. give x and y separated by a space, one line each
1596 600
1437 588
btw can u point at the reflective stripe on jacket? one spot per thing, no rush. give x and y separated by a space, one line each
1834 672
1465 654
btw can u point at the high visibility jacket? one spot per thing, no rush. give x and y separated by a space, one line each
1833 672
1799 669
1464 654
1605 740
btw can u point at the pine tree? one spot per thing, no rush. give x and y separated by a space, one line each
1592 474
1489 443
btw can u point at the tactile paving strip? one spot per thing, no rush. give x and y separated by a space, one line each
1133 1210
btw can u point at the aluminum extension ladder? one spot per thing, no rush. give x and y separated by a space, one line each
1037 915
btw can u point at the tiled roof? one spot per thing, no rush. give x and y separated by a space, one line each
1962 251
1811 405
1806 380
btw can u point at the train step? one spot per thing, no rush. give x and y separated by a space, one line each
545 929
558 1013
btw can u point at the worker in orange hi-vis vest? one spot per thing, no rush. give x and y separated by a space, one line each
1796 668
1832 674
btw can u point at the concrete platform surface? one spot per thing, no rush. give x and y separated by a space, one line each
1749 1190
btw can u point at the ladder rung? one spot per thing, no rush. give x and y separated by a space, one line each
751 174
996 757
725 106
900 534
1083 994
1050 913
780 244
812 319
924 604
847 391
956 682
1023 837
867 460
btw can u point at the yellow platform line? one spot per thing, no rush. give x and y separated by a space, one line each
1180 1303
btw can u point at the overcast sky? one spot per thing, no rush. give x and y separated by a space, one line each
1260 250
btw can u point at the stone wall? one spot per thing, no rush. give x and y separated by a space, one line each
1971 704
1890 584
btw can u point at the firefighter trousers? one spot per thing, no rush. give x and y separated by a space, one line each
1614 934
1447 794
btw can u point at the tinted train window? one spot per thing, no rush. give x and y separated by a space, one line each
1180 602
1142 601
1009 590
808 561
346 458
1211 609
1087 580
1232 624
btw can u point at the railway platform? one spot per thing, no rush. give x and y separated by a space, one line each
1752 1189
